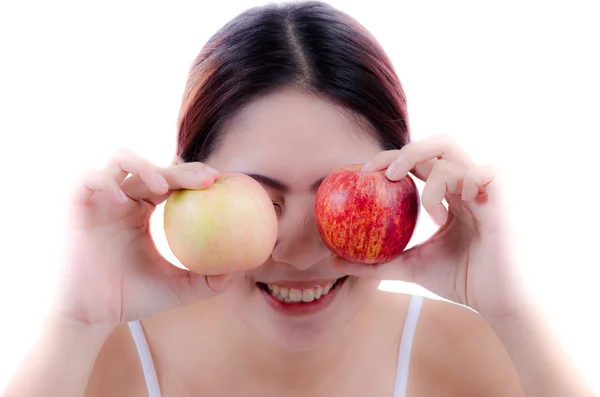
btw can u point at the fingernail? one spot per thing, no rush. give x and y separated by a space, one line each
203 179
212 171
391 169
367 166
206 173
162 182
221 283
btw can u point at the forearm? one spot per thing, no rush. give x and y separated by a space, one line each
61 362
544 366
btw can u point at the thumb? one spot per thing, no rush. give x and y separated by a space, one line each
219 284
190 286
420 264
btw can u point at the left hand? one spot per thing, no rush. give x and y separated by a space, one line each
469 260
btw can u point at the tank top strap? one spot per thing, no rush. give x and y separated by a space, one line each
141 344
406 342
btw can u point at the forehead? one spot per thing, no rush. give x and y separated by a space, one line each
294 136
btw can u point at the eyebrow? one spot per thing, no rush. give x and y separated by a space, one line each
279 185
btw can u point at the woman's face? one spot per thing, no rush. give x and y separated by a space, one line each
293 139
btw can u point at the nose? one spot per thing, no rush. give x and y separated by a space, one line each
299 244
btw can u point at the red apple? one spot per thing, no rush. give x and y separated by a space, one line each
228 227
364 217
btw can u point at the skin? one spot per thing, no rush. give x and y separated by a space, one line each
205 330
351 346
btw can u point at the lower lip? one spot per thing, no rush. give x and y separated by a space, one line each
304 308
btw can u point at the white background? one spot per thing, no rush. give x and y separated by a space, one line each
516 83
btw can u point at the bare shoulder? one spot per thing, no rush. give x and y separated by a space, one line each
117 371
459 348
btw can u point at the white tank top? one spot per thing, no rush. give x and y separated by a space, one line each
402 369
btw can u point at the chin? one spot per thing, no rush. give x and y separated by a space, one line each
306 336
290 325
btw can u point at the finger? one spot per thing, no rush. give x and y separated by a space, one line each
194 286
194 175
440 147
219 284
475 182
384 159
445 178
113 167
470 189
94 181
190 286
122 164
126 163
423 170
381 161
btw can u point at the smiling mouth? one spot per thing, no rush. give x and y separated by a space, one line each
305 295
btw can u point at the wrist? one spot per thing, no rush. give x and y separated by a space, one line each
520 306
60 325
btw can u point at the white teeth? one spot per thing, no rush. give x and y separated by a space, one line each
308 295
293 295
283 292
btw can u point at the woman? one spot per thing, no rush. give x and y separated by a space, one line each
288 94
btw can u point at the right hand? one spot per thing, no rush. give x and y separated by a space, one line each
113 272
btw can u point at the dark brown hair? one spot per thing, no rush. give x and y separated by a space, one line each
308 44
